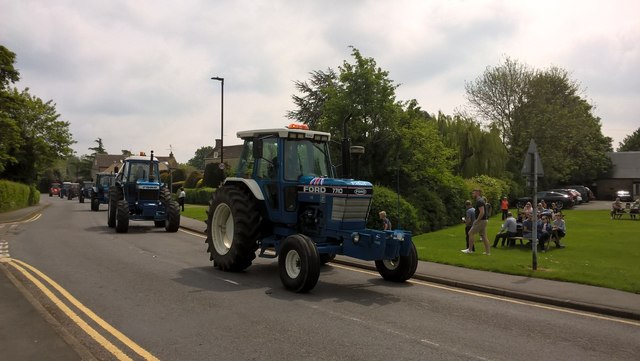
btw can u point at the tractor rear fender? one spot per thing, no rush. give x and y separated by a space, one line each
251 184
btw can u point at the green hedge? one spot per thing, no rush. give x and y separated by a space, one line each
198 195
15 196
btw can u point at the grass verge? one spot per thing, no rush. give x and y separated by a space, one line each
599 251
195 211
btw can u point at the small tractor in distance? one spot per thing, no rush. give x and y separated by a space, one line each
100 190
138 194
285 201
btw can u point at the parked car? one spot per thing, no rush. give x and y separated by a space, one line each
54 190
574 194
584 192
624 195
562 200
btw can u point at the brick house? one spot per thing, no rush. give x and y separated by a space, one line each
625 175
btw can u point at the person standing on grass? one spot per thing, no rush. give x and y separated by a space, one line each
479 226
504 207
469 218
181 197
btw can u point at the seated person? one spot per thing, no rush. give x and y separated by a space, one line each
635 209
559 229
544 232
616 208
509 229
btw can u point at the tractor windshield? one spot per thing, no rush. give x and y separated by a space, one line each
140 171
303 157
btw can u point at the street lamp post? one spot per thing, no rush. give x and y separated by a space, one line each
221 80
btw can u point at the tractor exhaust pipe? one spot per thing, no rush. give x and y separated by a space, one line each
151 175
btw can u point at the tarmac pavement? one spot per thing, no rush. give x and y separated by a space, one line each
27 331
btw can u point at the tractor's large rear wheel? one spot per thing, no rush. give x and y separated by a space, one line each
399 269
299 263
122 217
232 228
115 194
172 210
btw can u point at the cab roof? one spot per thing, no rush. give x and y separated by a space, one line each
285 133
141 157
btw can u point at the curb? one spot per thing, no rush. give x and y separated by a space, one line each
29 215
580 306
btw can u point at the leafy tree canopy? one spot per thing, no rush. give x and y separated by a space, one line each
630 143
198 159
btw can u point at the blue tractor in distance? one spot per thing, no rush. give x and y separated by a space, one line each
138 194
100 190
286 202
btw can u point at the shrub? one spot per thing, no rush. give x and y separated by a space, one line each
176 185
34 195
493 189
213 175
387 200
200 183
179 175
192 179
15 195
198 195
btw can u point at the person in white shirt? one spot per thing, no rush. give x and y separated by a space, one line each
181 197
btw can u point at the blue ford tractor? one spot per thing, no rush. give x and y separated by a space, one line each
285 201
100 190
139 195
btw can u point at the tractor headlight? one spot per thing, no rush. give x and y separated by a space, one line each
399 236
355 237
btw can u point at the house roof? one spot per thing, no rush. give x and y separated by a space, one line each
103 161
230 152
625 164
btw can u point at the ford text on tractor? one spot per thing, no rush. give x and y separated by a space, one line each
100 190
286 202
139 195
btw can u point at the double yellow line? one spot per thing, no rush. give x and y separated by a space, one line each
28 271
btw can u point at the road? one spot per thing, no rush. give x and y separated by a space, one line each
151 294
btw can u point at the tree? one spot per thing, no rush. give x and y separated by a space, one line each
569 137
44 138
403 148
630 143
198 159
126 153
98 149
545 105
497 93
10 134
8 74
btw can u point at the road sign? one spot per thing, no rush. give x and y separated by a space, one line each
221 166
531 156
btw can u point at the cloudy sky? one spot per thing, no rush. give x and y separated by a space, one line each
138 73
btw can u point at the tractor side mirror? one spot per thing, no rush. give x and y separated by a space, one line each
257 149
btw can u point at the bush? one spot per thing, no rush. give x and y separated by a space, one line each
176 185
387 200
34 195
198 195
493 189
213 175
192 179
179 175
15 195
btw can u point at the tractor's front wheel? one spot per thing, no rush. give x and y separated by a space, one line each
233 222
95 204
122 217
399 269
115 195
299 263
172 210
